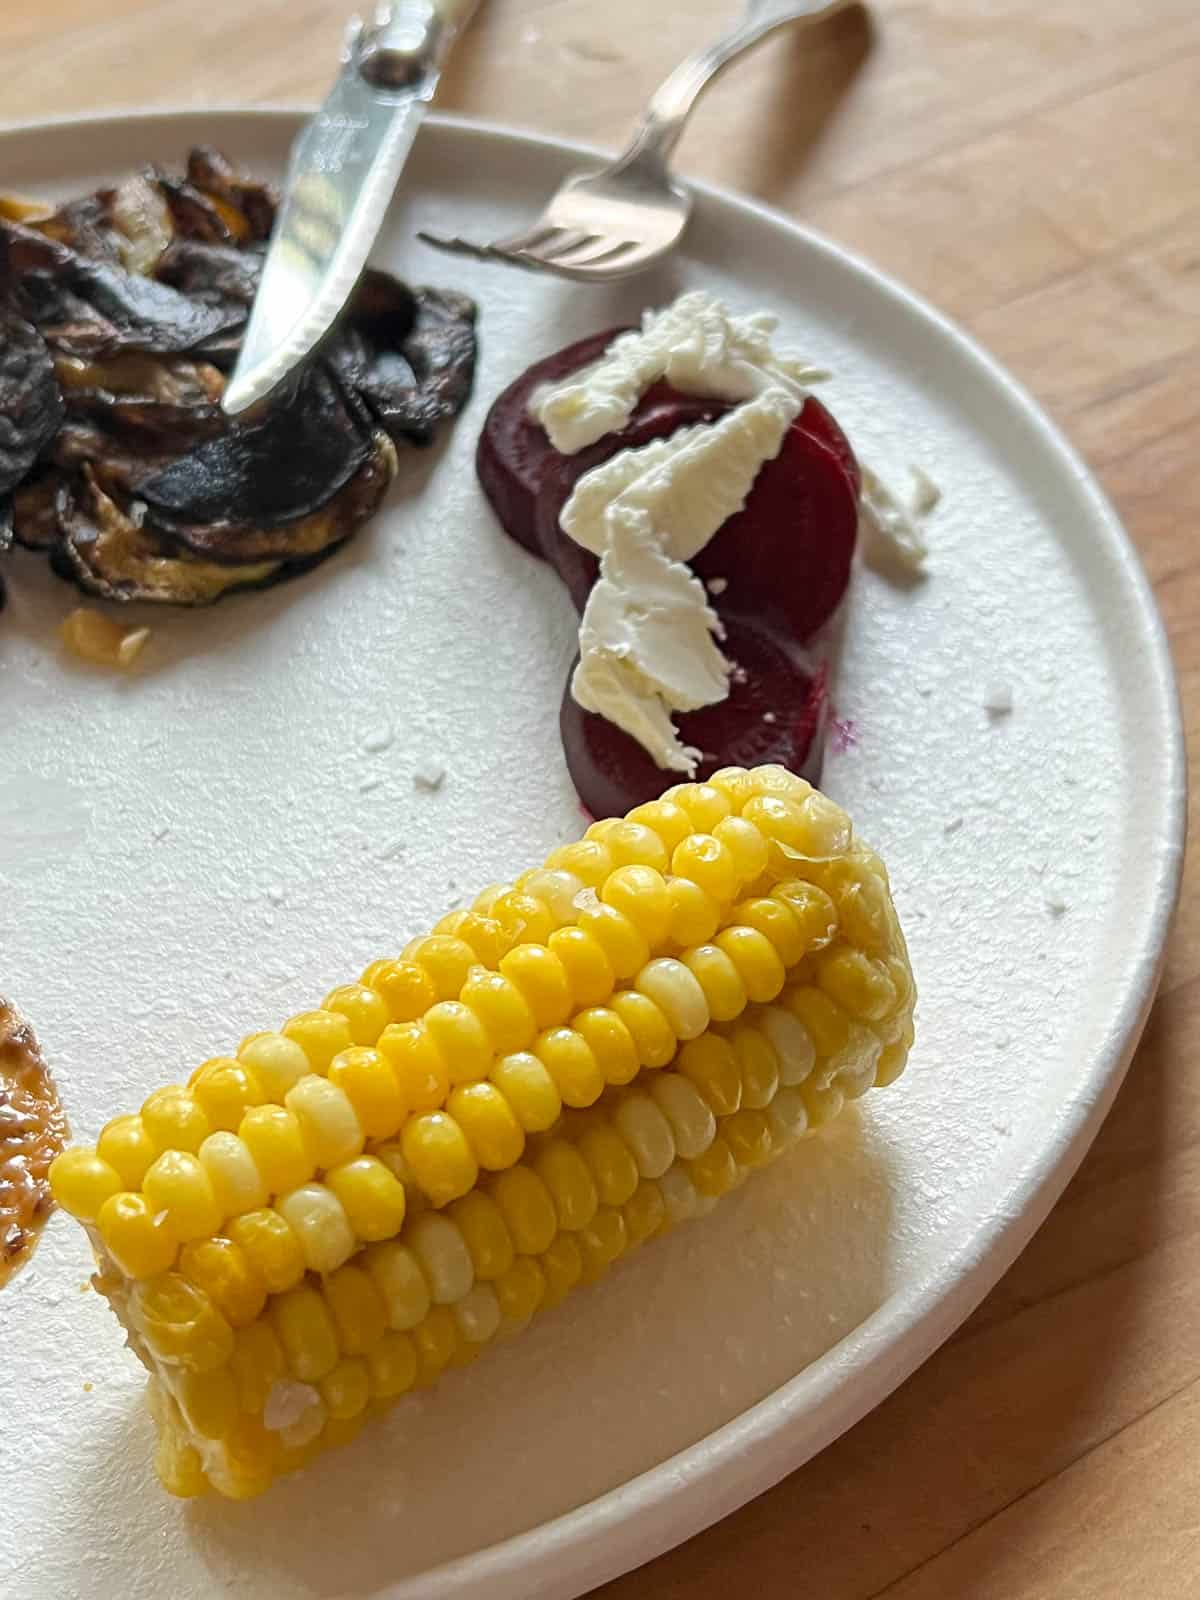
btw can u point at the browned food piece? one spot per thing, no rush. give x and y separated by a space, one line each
214 274
156 403
106 552
34 517
33 1130
90 308
268 473
409 354
258 202
31 406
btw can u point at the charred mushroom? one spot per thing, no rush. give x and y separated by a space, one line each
31 406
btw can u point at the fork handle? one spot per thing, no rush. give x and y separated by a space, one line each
666 116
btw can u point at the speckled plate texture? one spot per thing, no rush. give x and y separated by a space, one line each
207 845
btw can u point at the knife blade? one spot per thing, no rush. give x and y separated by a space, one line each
341 176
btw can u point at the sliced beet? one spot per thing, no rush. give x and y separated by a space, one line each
514 453
775 712
787 554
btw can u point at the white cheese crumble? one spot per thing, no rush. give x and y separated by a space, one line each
647 643
890 527
696 345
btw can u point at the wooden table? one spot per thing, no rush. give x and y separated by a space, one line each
1030 165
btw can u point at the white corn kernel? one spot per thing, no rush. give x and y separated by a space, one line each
693 1125
647 1133
445 1260
314 1214
791 1042
677 994
478 1314
235 1179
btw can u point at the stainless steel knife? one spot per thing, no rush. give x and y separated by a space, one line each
341 175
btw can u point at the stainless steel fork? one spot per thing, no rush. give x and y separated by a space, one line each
622 219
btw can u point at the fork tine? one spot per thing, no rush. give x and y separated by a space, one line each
530 239
553 249
595 250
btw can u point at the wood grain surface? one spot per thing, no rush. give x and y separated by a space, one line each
1030 166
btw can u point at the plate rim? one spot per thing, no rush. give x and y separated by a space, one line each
660 1508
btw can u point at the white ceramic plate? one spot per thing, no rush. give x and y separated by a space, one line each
207 846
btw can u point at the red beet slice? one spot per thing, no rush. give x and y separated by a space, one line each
775 712
514 452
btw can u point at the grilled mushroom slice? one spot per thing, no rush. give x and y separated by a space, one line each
109 553
31 405
34 517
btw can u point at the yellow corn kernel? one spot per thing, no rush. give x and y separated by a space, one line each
602 1242
83 1181
315 1216
787 1117
861 987
257 1364
663 817
590 977
439 1156
321 1035
541 978
99 640
758 1064
640 893
249 1458
504 1011
178 1184
677 994
225 1089
570 1181
442 1252
358 1309
367 1080
209 1401
371 1196
646 1132
704 803
622 943
736 784
306 1331
485 937
396 1273
791 1042
562 1267
436 1341
569 1060
611 1164
407 989
530 1091
522 919
707 862
721 981
178 1465
181 1324
813 909
446 959
610 1042
478 1218
493 1131
127 1147
174 1121
392 1366
695 916
135 1235
421 1072
329 1127
478 1314
648 1027
556 890
271 1247
227 1276
777 923
774 779
279 1063
822 1104
632 845
528 1209
746 845
748 1135
715 1172
756 959
589 860
273 1137
827 1025
645 1213
237 1184
461 1041
364 1009
891 1064
693 1125
520 1290
711 1065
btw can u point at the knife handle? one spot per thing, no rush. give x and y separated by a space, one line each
408 40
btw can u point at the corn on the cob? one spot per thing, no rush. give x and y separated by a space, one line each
346 1207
